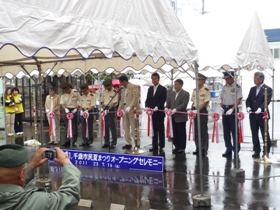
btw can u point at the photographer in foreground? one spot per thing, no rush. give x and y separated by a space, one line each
15 173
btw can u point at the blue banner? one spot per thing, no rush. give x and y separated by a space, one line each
113 175
116 161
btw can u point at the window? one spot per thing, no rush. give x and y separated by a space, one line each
276 53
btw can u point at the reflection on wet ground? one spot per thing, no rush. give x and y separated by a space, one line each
174 188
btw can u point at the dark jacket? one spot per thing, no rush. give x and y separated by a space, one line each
255 102
156 100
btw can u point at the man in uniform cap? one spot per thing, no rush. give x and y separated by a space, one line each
87 105
204 98
70 103
109 101
15 173
228 106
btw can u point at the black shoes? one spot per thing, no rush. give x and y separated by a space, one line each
66 144
196 152
105 146
161 150
153 149
74 144
127 146
256 155
227 154
178 151
112 146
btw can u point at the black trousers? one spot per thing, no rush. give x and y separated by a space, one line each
179 135
74 127
203 131
88 140
255 125
158 127
110 125
18 123
229 131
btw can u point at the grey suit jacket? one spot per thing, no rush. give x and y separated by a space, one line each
180 104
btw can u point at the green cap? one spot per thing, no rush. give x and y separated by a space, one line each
12 155
107 82
201 76
83 87
64 85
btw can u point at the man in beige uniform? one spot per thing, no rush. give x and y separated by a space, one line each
108 103
15 173
87 105
52 104
129 101
204 98
70 103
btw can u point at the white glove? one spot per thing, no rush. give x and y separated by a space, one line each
16 109
20 99
81 112
12 104
74 110
229 112
258 111
106 112
222 110
174 111
101 109
66 110
194 111
155 109
248 109
127 109
165 109
47 110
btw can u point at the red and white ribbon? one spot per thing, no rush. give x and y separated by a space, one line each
149 112
34 112
240 117
120 114
169 129
103 114
215 117
69 116
265 115
86 116
52 124
135 113
192 115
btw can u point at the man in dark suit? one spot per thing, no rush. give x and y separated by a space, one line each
156 98
178 102
255 106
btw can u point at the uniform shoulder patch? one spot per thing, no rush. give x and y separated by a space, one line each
206 89
237 85
91 94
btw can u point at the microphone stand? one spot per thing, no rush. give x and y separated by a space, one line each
107 108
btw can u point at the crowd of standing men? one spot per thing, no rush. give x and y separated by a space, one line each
159 99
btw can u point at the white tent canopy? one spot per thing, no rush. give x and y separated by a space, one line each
88 34
254 51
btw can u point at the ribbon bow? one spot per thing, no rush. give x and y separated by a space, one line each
215 117
149 112
86 116
69 116
120 114
52 124
169 129
240 117
192 116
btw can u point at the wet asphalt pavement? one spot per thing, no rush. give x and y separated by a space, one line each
174 188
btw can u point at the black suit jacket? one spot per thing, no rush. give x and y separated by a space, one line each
156 100
255 102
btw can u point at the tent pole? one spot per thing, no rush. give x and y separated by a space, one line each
4 112
272 137
199 200
236 171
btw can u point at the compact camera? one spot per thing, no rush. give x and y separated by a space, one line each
50 154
